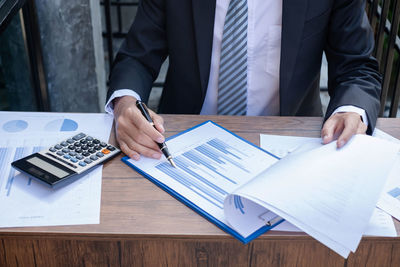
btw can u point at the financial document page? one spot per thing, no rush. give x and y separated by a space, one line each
381 223
211 163
26 202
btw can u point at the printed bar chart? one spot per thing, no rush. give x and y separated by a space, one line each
212 158
19 152
9 154
192 184
211 163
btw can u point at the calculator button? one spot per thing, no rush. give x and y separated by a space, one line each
96 141
78 150
65 150
81 163
79 157
85 147
79 136
93 157
103 144
60 153
71 147
97 147
91 151
90 144
88 161
86 153
89 138
99 154
52 149
70 141
111 148
67 156
105 151
57 146
83 141
62 160
64 143
72 153
74 160
77 144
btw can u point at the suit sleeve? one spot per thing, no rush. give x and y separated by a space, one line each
142 53
353 74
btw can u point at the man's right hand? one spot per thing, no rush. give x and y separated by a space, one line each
135 135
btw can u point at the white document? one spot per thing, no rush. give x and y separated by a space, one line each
281 145
381 224
211 164
328 193
318 190
390 199
26 202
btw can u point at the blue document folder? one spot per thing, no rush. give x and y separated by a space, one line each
210 156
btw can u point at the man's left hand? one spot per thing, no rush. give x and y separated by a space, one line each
342 126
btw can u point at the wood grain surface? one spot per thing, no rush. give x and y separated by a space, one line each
141 225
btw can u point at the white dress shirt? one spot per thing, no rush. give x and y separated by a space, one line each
263 61
263 57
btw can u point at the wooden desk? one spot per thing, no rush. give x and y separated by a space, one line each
141 225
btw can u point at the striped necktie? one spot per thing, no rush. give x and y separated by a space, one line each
232 82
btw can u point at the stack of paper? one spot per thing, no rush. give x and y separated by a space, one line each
381 223
26 202
328 193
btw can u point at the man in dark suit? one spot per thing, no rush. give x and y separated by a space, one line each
288 35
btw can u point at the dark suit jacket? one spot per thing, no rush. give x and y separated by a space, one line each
183 31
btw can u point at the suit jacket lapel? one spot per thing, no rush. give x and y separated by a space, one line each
293 18
203 16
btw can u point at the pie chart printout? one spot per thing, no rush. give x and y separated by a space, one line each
62 125
15 126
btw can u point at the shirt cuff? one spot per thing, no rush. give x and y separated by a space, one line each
350 108
109 108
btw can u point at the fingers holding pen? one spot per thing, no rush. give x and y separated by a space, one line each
150 118
138 149
135 135
158 121
146 128
128 151
134 142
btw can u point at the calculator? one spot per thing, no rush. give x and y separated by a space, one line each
66 161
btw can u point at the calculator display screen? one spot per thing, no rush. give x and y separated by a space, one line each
47 167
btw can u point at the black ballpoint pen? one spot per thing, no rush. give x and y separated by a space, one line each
163 147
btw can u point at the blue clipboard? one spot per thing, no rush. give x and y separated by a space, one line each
196 208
